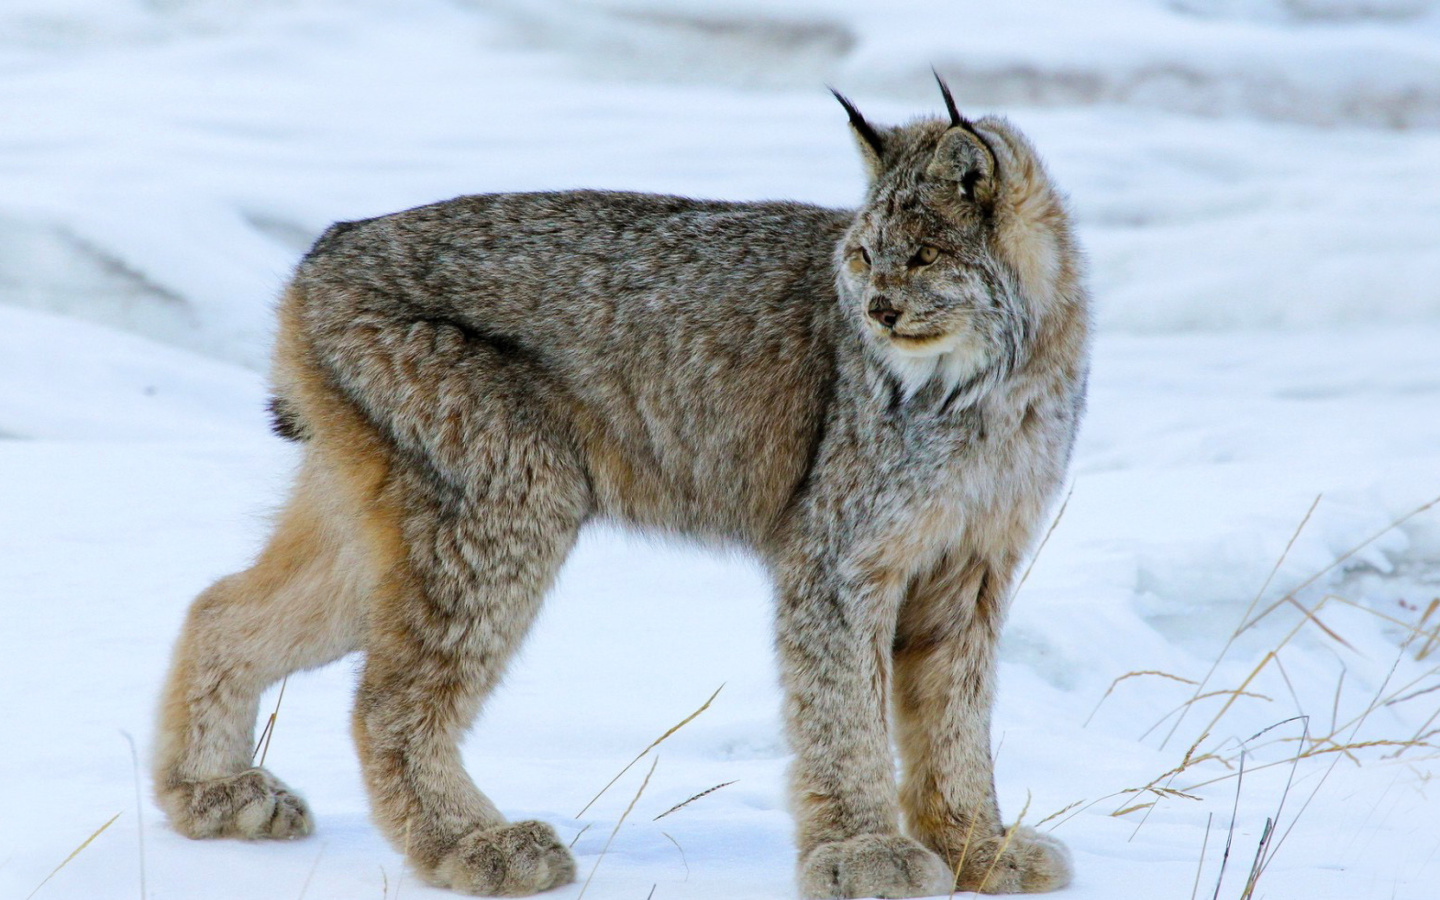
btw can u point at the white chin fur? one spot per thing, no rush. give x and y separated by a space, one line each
950 362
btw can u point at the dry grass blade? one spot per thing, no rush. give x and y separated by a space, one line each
1248 610
1233 693
1309 614
1004 845
310 876
1413 694
1269 657
1111 689
1335 705
1340 561
269 731
1257 866
1058 813
139 810
1079 807
683 860
685 803
1230 832
1263 852
959 865
616 830
1290 686
1434 638
1374 703
1416 630
1046 539
575 840
1200 863
653 744
73 853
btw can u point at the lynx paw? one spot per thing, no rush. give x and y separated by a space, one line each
1029 863
873 865
508 861
252 804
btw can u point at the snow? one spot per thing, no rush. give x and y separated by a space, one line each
1256 185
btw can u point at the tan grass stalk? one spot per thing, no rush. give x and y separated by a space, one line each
1200 863
1249 609
964 849
269 731
1340 561
309 876
73 853
1424 651
616 830
653 744
1004 845
683 860
1058 813
139 810
1230 832
685 803
1045 540
1111 689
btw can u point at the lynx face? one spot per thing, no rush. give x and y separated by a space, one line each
952 247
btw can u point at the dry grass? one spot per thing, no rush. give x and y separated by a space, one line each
73 853
262 746
634 800
684 803
1338 740
139 810
616 830
653 744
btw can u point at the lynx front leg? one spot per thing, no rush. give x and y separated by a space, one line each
945 645
447 620
835 658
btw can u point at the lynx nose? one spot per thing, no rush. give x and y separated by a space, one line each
881 311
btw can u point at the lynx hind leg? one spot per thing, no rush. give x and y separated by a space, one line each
480 501
445 625
944 688
299 606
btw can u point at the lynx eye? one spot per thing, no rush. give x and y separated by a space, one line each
859 259
924 256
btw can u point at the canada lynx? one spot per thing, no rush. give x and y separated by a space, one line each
879 404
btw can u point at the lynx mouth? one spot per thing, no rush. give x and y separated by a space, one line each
927 344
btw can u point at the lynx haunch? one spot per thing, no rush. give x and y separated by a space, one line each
879 404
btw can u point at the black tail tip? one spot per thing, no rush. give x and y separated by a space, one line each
284 421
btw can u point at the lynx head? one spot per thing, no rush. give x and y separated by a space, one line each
960 252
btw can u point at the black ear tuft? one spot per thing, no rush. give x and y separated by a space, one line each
955 117
862 127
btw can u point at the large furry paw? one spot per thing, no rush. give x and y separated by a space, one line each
873 865
507 861
252 804
1028 863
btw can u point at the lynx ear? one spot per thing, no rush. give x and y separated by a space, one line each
872 148
964 154
966 157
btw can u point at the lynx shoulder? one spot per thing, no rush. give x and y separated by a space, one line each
878 403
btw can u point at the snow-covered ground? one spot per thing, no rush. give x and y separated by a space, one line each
1257 185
